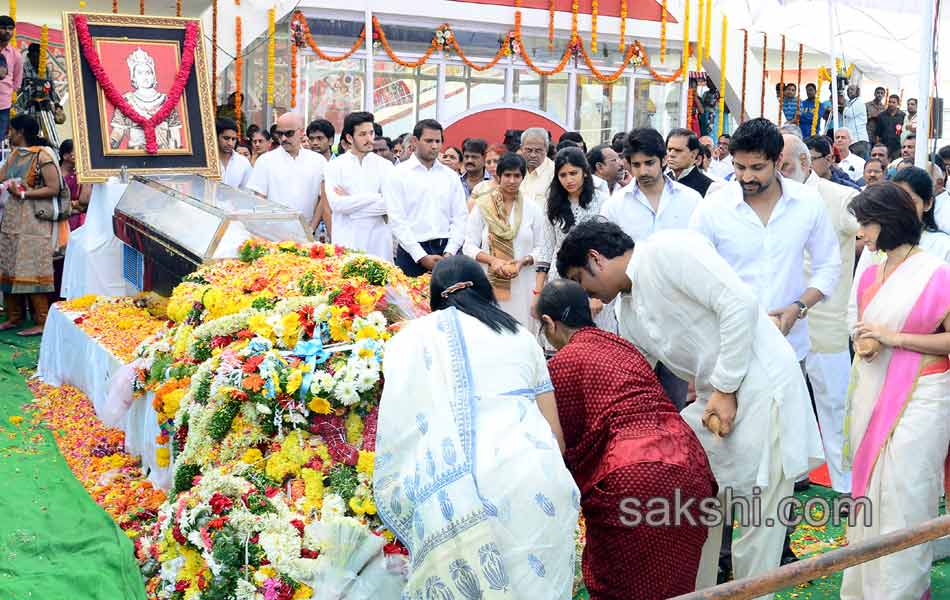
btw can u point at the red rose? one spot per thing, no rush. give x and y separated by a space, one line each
305 553
298 525
220 503
181 586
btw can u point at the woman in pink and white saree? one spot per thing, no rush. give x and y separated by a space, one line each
897 434
468 472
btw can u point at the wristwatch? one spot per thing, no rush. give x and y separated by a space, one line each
802 309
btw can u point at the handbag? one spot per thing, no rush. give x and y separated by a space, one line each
53 209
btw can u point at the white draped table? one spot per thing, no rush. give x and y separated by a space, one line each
68 356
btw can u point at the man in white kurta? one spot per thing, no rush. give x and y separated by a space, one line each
353 187
290 175
235 169
426 204
828 364
680 303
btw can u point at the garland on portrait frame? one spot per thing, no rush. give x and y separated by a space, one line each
115 97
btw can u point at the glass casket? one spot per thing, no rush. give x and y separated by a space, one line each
170 224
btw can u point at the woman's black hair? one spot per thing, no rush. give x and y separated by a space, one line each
559 204
922 184
565 301
30 129
891 207
65 148
599 234
477 300
509 161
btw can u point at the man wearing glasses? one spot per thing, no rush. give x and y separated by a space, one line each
11 76
534 150
290 174
823 161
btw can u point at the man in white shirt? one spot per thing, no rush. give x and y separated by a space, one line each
680 303
721 165
763 224
290 175
534 150
828 364
850 163
652 202
235 169
856 115
353 187
425 203
605 166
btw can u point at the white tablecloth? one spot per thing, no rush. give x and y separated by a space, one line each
93 262
69 356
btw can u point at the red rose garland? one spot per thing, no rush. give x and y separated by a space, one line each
115 96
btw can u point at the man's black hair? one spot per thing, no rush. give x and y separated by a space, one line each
222 124
599 234
692 141
758 135
646 141
424 124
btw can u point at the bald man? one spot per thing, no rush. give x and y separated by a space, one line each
290 174
850 163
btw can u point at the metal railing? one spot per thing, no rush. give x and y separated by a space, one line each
825 564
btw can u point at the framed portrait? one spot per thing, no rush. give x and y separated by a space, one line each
141 89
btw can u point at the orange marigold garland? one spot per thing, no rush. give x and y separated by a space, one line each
271 52
593 25
316 49
550 24
178 8
663 32
293 74
798 86
686 41
623 25
575 8
409 64
700 36
656 76
781 86
115 6
765 59
214 51
745 64
238 68
141 7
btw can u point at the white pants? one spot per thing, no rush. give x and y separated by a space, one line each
829 375
756 549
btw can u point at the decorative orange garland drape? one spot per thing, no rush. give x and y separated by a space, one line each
593 25
781 79
623 25
115 6
550 24
141 7
316 49
177 8
745 64
798 86
293 74
663 32
214 51
765 59
238 69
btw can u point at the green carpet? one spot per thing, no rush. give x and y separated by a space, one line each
55 541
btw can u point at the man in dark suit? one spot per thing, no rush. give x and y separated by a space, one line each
682 146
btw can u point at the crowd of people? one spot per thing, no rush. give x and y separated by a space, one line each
700 302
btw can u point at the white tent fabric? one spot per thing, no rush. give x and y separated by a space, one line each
883 37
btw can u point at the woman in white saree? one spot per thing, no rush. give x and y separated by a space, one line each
897 429
469 474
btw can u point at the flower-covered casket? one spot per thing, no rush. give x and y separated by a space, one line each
171 224
266 385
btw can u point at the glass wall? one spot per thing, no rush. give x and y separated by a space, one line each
330 90
657 104
601 109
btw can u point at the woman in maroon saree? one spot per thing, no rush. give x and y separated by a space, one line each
628 450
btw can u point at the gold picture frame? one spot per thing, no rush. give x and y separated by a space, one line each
139 53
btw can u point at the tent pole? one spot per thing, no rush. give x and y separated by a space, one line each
833 46
927 24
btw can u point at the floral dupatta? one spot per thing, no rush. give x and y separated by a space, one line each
424 480
501 234
881 389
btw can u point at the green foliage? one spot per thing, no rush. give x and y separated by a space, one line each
203 390
342 480
184 476
308 285
250 251
201 350
263 303
159 366
374 272
220 423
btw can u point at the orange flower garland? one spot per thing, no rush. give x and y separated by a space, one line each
623 25
238 69
409 64
494 61
613 76
656 76
178 8
271 52
593 26
745 64
765 59
575 8
663 32
798 86
316 49
293 74
781 75
550 24
686 41
141 7
115 6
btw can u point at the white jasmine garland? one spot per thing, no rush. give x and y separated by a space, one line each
333 507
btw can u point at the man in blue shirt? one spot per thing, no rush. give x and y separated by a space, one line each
790 103
809 115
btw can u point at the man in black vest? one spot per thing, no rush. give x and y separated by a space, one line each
682 146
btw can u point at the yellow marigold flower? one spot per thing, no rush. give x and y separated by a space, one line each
215 301
291 323
319 405
303 592
252 456
365 462
354 428
287 245
162 457
367 332
259 325
323 452
16 420
182 341
172 400
313 489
